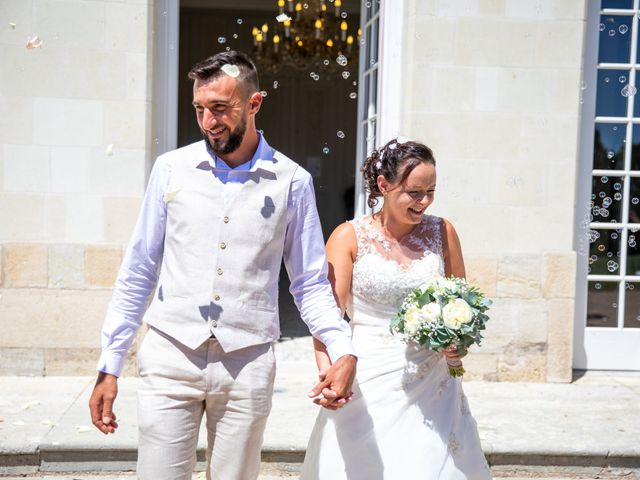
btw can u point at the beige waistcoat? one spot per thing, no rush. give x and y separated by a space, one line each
221 263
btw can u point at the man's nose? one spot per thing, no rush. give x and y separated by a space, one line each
208 120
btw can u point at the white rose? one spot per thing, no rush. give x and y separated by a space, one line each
412 320
449 285
431 312
455 313
429 285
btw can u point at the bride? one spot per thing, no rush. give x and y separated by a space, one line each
408 418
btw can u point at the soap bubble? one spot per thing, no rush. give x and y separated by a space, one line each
340 134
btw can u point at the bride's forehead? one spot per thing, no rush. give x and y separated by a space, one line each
422 173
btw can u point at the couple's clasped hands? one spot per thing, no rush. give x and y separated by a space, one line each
334 388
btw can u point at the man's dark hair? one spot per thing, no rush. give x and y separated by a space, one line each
211 68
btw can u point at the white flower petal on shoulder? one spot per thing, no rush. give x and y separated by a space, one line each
231 70
170 195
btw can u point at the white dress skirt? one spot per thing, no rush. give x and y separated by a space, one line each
408 419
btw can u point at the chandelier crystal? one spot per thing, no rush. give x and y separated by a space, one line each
314 34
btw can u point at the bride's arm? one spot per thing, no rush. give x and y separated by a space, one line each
452 251
342 248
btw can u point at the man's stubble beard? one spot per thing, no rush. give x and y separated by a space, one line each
232 144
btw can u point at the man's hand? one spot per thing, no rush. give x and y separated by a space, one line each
101 403
335 387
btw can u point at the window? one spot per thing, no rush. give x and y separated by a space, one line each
367 93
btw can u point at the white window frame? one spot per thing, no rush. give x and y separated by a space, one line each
599 347
378 124
165 78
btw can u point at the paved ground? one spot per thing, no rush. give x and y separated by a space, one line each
591 423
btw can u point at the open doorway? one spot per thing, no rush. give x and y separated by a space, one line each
310 118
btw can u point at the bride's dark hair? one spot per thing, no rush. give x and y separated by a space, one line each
391 160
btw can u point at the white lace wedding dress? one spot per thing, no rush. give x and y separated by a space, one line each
408 419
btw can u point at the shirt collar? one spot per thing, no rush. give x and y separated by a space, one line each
262 159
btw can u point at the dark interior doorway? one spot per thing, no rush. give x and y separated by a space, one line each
313 121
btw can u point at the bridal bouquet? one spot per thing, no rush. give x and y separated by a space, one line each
444 313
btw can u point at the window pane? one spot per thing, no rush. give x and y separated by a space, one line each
633 253
634 201
615 39
606 196
617 3
604 252
610 101
373 53
376 6
373 101
608 148
602 304
632 305
635 148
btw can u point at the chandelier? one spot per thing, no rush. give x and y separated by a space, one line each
311 34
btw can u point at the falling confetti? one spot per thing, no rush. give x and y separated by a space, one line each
231 70
342 60
82 429
275 84
263 93
109 149
239 21
169 196
28 405
345 74
283 17
222 40
340 134
628 91
34 42
353 95
325 150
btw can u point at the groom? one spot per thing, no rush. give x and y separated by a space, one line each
217 219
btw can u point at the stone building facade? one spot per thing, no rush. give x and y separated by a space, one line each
493 86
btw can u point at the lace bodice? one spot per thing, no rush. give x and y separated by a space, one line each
385 271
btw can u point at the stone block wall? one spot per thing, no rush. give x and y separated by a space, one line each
75 149
53 298
493 87
529 335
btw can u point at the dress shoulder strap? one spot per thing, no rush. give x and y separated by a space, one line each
362 227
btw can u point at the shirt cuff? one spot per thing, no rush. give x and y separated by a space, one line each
111 363
339 348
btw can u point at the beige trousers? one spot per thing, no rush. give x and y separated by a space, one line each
179 385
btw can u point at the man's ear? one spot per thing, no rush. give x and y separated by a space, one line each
255 101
